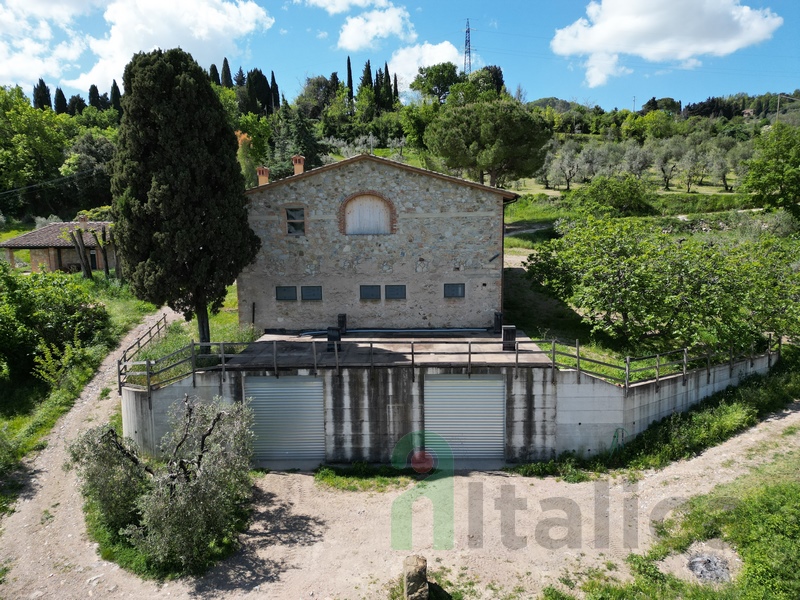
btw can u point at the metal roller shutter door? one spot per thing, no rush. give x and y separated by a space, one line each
289 417
468 412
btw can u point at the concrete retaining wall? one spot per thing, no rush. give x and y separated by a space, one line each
367 411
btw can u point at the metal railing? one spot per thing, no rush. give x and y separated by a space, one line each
315 354
155 331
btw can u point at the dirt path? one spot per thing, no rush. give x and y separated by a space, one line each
310 542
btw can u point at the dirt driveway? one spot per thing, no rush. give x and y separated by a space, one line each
510 533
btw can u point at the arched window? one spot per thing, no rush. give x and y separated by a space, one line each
367 214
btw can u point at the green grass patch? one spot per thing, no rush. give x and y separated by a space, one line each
363 477
684 435
537 208
681 203
758 514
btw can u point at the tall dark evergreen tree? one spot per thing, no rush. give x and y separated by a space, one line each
349 81
60 102
76 105
366 77
41 95
115 97
276 96
180 212
258 87
395 91
226 80
239 79
94 97
214 74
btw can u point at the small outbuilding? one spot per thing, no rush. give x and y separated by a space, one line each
53 249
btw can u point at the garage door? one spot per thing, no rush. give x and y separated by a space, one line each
468 412
289 418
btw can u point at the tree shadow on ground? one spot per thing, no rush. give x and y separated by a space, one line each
273 522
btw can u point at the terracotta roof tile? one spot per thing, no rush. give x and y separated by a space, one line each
56 235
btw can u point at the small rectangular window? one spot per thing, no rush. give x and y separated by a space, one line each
395 292
453 290
370 292
285 292
311 292
296 221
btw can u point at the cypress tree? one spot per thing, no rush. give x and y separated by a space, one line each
366 77
94 97
76 105
116 97
226 80
388 98
349 81
41 95
395 93
60 103
180 212
239 79
276 96
214 74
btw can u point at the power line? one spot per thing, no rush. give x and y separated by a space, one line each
58 181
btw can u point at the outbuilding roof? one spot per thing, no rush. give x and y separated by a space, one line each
56 235
508 196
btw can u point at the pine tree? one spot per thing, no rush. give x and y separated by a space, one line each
276 96
94 97
259 89
349 81
116 103
60 103
214 74
181 219
41 95
239 79
227 81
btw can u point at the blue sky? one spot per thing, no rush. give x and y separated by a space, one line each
604 52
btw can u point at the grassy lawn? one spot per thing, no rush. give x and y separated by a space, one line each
12 231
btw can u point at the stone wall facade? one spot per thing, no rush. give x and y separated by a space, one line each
442 231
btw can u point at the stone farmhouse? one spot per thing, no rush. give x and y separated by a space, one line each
387 244
378 288
52 247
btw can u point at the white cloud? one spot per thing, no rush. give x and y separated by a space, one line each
334 7
361 32
406 62
322 35
208 29
660 31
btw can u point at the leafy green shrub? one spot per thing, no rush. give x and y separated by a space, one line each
178 515
44 309
625 196
8 455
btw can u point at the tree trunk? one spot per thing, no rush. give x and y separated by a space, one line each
203 329
102 243
77 240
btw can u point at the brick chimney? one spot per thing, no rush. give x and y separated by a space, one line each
263 175
83 219
298 161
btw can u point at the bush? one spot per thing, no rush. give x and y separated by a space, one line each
176 516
